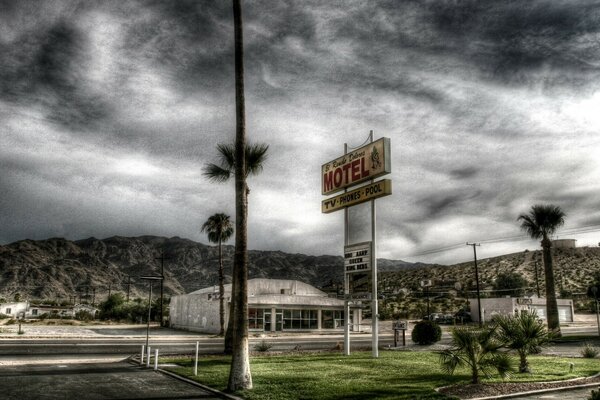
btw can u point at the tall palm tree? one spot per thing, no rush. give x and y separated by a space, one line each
256 155
240 159
219 229
541 223
524 333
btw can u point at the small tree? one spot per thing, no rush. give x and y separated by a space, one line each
477 349
525 333
111 307
510 284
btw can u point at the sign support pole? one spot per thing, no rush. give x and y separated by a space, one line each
346 283
374 305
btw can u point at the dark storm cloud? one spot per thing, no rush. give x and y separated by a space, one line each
464 173
110 109
43 68
509 38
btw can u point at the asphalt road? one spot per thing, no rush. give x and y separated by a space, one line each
117 381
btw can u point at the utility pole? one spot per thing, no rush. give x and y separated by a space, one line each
128 286
93 297
477 282
162 259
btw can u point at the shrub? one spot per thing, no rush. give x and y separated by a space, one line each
263 346
595 395
84 315
426 332
4 316
477 349
589 351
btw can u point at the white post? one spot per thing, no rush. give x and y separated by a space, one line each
148 358
196 360
142 355
347 329
155 359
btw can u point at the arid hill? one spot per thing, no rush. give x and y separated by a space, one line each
87 270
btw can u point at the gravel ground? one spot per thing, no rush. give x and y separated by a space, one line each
499 389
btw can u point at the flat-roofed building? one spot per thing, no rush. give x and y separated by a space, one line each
274 305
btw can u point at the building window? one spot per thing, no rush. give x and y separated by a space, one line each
300 319
255 318
331 319
34 311
8 311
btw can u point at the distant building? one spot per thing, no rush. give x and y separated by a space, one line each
510 305
25 309
274 305
14 309
564 243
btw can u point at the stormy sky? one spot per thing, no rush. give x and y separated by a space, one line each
110 109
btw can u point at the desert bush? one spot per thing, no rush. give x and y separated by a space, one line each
589 351
84 315
263 346
426 332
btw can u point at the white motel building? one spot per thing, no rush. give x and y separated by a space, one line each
274 305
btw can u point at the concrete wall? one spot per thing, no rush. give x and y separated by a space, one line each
508 305
195 312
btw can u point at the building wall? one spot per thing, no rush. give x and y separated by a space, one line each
564 243
508 305
196 312
13 309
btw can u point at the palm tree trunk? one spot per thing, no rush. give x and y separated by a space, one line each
523 363
239 374
221 290
228 344
551 304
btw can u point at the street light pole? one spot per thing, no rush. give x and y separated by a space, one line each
150 280
477 282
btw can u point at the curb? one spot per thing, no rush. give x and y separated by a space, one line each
132 360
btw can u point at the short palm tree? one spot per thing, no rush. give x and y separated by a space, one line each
525 333
541 223
477 349
219 229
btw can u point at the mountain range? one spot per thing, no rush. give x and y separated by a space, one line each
62 270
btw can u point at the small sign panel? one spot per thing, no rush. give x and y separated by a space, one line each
400 325
359 283
357 257
363 194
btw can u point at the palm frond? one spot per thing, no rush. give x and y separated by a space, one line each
256 155
216 173
227 155
542 221
450 360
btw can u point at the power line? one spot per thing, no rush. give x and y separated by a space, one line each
513 238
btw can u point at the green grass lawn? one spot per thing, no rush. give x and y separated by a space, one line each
394 375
